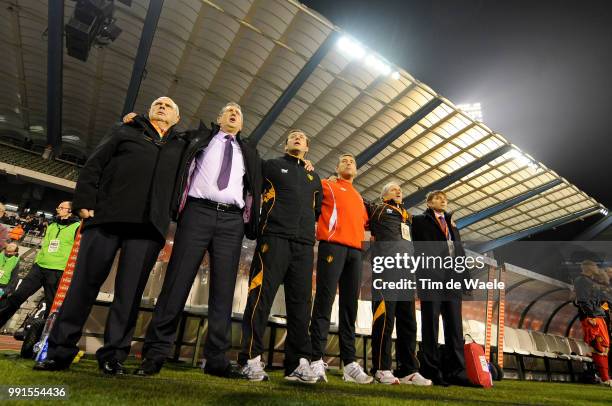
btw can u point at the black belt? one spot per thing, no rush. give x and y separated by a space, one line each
224 207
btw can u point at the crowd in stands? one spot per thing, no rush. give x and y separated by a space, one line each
22 225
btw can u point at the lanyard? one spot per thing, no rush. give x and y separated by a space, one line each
59 230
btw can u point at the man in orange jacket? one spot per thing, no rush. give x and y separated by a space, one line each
340 231
16 233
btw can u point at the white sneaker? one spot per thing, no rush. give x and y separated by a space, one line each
607 383
415 379
318 368
354 373
386 377
254 370
303 373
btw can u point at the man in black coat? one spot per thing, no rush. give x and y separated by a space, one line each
220 187
124 194
435 235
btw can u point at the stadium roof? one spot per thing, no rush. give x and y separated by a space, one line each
206 53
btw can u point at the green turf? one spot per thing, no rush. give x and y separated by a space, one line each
181 385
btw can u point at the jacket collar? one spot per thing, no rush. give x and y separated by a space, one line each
214 129
143 122
392 202
293 159
68 221
447 216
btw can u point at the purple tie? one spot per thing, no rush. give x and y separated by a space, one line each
226 165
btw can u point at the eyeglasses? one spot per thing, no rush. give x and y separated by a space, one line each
63 208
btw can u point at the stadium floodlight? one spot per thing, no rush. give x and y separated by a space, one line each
604 211
354 50
351 48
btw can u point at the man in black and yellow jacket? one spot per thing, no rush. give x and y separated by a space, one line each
284 255
390 221
48 266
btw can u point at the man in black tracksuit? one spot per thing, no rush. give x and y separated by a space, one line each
124 194
390 221
435 235
284 254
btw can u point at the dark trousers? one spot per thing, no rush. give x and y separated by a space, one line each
37 278
278 260
199 229
140 246
337 266
385 315
452 363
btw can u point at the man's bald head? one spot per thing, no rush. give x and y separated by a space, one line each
11 248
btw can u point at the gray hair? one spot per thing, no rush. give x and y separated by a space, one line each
228 105
387 187
174 105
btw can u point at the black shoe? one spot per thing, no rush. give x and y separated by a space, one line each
231 370
51 365
440 382
112 367
461 380
148 368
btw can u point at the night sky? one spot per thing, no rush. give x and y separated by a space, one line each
541 69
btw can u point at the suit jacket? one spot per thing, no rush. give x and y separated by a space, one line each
199 140
430 240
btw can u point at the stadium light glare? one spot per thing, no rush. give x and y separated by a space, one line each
472 110
378 65
604 211
354 50
523 159
351 48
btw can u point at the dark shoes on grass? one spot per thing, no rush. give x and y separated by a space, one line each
111 367
148 368
51 365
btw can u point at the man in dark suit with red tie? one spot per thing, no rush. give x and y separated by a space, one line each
435 235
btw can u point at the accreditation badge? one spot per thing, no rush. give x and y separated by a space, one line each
53 246
406 232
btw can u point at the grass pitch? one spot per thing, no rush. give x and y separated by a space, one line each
177 384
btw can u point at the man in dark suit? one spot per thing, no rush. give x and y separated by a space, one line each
220 184
124 194
435 235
